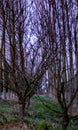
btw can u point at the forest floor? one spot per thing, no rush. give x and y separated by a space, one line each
42 111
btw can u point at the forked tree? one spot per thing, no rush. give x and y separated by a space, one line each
23 62
59 27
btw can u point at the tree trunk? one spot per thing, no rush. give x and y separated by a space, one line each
64 127
21 111
65 121
27 102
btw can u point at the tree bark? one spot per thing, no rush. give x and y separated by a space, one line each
64 127
21 111
65 121
27 102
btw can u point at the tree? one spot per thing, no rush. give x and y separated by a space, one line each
2 49
57 25
24 62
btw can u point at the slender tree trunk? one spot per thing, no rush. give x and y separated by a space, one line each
64 127
21 111
27 102
65 121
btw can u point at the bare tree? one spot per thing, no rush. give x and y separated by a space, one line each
56 22
25 63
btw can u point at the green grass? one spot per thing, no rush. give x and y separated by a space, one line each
42 109
69 128
6 110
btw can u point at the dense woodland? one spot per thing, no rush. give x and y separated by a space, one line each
39 49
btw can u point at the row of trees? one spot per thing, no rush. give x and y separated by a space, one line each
40 38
